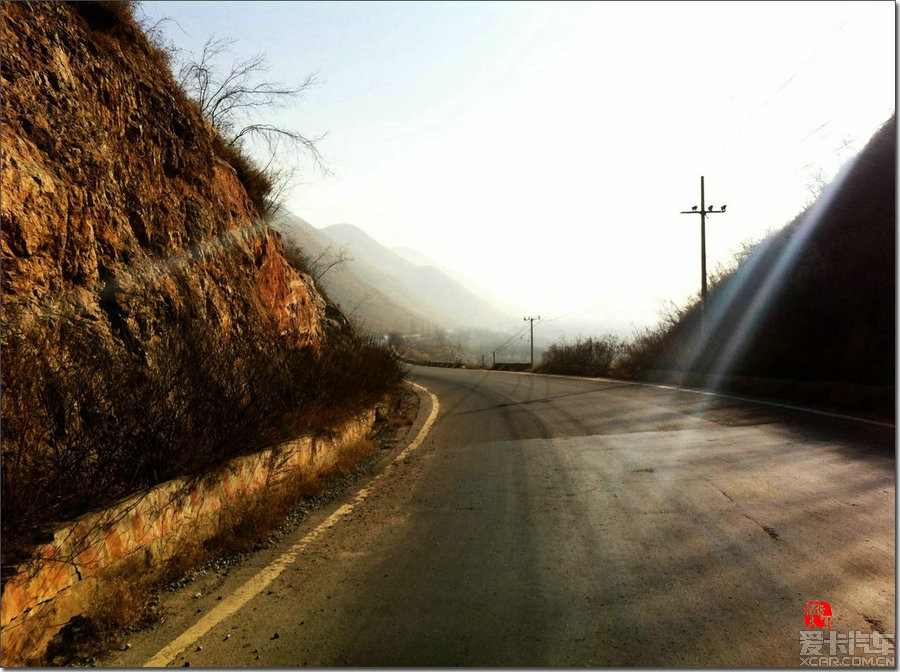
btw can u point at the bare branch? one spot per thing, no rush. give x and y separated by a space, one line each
235 99
271 134
319 266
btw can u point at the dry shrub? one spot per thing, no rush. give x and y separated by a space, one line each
349 458
246 526
108 16
189 555
398 421
88 422
584 357
117 601
113 23
120 597
256 181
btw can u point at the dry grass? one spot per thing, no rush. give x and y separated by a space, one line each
86 425
121 597
119 600
349 458
398 421
247 525
113 23
256 182
128 596
124 598
584 357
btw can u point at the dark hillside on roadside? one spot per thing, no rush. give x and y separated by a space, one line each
814 302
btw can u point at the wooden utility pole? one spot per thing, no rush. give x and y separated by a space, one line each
703 212
532 319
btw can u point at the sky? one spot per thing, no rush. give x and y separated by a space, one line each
546 149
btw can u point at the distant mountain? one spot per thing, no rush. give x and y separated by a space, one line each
384 291
419 259
374 300
463 307
414 256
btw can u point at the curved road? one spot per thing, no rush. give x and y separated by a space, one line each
551 521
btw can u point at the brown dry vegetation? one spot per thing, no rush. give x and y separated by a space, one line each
76 443
584 357
128 597
113 23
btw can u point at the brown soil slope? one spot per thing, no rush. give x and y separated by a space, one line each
131 257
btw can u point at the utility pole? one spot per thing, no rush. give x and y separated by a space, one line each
532 319
703 212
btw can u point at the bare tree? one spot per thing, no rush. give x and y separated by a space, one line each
235 98
327 260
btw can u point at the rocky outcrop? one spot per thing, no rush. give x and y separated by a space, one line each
116 207
133 263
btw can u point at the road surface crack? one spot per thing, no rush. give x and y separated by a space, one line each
877 626
771 531
726 495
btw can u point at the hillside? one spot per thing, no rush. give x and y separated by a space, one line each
385 291
816 301
462 307
374 300
152 325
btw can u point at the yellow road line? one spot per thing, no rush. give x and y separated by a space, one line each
228 606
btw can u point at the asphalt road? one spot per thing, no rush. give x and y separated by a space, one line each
550 521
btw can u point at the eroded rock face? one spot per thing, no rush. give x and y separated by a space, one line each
115 207
142 294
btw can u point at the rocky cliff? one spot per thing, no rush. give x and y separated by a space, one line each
149 314
116 207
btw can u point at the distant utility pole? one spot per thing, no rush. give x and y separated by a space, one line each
532 319
703 212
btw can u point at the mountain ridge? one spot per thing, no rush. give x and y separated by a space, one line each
427 283
382 289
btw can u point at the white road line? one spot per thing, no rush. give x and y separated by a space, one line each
254 586
709 393
777 404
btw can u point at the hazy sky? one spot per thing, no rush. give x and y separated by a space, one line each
545 149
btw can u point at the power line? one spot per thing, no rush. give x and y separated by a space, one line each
577 313
494 352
